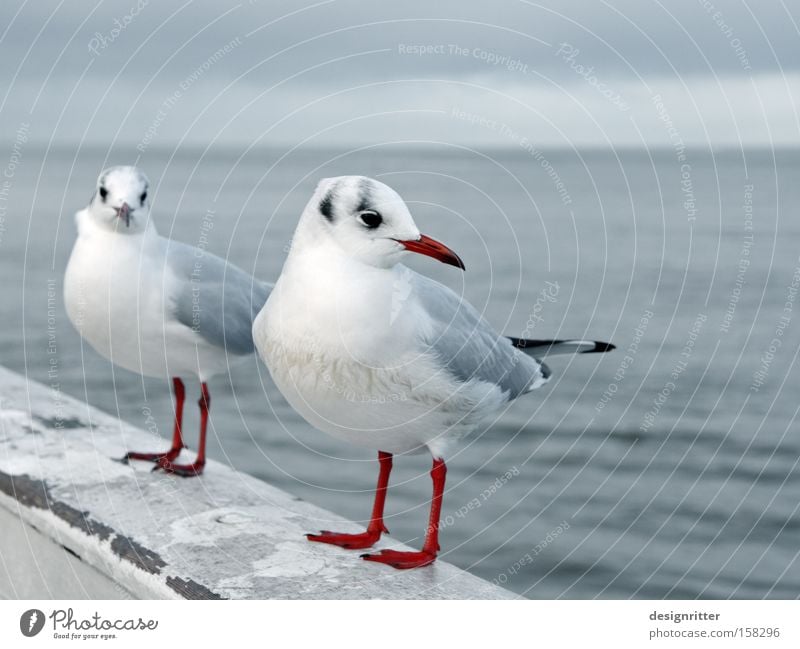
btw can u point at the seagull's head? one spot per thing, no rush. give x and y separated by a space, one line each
370 222
120 202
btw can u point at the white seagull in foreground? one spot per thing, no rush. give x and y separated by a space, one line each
154 306
377 355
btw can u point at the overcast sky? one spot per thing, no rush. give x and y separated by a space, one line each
564 73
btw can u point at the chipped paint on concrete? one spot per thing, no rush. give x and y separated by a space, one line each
223 535
34 493
189 589
59 423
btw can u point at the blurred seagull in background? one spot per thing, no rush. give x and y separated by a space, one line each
377 355
154 306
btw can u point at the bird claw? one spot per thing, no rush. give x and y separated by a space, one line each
347 541
401 560
170 455
182 470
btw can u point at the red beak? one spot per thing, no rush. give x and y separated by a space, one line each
124 212
432 248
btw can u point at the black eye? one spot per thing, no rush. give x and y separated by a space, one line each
143 197
103 193
370 218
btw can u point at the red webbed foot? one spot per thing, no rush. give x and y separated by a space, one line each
348 541
168 456
183 470
177 437
402 560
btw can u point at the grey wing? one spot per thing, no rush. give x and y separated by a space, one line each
468 346
217 300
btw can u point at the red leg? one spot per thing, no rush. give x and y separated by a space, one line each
376 527
196 467
402 560
177 434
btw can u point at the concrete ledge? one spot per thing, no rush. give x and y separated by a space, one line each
75 523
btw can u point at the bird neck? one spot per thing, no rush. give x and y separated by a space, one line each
89 226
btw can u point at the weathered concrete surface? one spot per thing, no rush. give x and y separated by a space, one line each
34 566
93 527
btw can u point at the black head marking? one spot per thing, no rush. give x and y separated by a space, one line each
326 206
102 189
365 195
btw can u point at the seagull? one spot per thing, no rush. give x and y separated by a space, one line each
374 354
154 306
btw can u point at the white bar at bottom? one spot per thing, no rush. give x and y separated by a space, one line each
382 624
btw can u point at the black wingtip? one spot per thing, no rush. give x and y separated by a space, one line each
600 347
